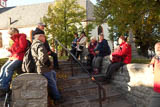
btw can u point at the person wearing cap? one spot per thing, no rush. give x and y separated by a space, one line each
102 49
121 56
14 62
39 53
40 29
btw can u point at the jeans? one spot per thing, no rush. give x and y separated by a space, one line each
51 77
7 71
55 59
155 100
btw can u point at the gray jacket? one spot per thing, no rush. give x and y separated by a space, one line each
40 56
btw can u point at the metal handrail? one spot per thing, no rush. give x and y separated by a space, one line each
100 87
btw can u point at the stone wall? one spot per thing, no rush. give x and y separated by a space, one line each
136 82
29 90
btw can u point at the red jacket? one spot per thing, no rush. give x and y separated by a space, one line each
123 51
19 46
91 48
156 68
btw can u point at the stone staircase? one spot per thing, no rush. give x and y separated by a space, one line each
80 91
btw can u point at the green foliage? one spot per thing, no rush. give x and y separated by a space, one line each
140 16
141 61
2 61
64 18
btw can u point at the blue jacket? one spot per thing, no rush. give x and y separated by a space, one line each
103 48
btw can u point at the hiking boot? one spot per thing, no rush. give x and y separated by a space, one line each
95 71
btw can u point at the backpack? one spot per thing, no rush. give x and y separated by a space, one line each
28 64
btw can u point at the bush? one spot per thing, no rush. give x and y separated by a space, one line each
2 61
141 61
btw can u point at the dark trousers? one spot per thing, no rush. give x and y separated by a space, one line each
90 59
97 62
78 53
113 68
73 51
55 59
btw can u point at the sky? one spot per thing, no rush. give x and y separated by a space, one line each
26 2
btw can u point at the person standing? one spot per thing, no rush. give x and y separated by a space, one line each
14 62
74 44
121 56
81 46
155 64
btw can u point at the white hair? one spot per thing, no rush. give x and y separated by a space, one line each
37 36
93 38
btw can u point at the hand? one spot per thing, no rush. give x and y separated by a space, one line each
97 52
77 43
49 52
110 57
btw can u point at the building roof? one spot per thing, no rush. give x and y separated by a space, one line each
30 15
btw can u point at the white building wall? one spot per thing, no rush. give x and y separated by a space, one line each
105 27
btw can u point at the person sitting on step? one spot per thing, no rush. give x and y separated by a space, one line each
102 49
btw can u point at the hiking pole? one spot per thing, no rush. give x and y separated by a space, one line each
5 101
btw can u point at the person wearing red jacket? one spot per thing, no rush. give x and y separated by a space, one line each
17 50
121 56
92 45
155 65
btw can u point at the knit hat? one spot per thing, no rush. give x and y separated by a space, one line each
38 31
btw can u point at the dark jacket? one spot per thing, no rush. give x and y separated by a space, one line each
103 48
19 46
40 56
46 44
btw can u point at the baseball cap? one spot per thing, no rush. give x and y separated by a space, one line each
41 24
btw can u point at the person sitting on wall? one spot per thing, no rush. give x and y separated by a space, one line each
92 54
81 46
40 28
102 49
120 56
14 62
39 53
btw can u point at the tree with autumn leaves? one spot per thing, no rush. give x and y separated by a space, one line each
63 19
140 16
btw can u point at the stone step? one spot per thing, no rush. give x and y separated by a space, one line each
118 103
77 80
87 89
80 90
86 100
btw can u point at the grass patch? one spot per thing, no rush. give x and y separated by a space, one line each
141 61
2 61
